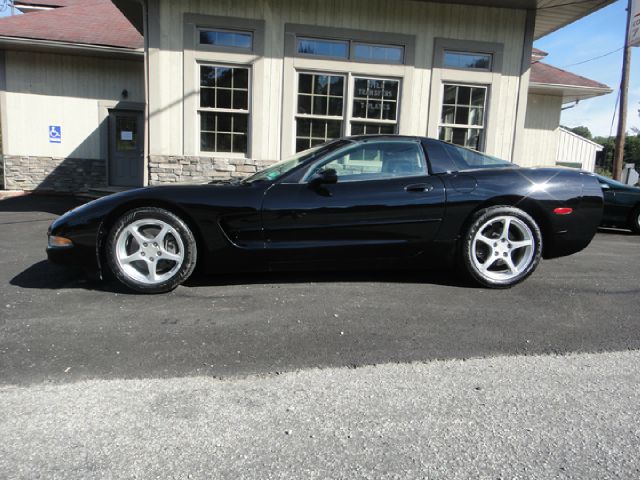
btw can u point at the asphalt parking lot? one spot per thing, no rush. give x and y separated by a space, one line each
568 333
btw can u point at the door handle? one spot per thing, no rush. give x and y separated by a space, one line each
419 187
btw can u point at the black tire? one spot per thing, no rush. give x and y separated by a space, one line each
501 262
176 250
634 220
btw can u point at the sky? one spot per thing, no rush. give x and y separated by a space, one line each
592 36
4 8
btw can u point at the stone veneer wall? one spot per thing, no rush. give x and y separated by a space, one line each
57 174
173 169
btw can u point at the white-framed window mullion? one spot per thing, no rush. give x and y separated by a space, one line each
463 117
223 110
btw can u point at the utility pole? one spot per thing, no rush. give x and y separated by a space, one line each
624 94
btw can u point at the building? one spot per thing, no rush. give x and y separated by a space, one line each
233 86
68 67
550 90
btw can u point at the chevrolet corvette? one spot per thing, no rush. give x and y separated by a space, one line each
357 202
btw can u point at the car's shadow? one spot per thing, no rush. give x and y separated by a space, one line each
46 276
616 231
434 277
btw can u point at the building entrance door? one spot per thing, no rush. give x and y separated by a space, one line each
126 148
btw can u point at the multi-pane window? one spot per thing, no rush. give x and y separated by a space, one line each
320 109
375 106
227 38
224 109
322 116
351 50
467 60
463 115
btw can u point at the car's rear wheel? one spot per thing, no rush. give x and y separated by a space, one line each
151 250
635 220
501 247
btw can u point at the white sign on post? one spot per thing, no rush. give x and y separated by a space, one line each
634 25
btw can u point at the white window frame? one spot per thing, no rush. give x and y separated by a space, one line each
482 127
374 121
295 63
492 79
196 54
231 111
311 116
347 117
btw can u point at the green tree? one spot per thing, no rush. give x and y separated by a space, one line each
582 131
604 160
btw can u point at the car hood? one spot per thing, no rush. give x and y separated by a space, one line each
180 197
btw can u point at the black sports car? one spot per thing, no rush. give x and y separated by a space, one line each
621 204
369 201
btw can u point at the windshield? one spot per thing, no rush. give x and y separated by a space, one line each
279 169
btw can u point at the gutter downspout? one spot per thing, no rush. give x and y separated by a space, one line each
521 102
147 144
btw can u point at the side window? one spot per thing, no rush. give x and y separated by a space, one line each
377 160
445 157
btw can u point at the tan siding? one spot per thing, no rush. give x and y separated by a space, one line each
541 130
51 89
424 20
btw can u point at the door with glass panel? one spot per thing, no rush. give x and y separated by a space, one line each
126 148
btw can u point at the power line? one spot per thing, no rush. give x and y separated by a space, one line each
594 58
615 110
577 2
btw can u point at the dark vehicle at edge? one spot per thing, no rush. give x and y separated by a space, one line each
621 204
368 201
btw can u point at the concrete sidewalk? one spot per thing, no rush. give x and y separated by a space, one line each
506 417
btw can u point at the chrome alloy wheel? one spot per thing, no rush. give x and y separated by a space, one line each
149 251
502 248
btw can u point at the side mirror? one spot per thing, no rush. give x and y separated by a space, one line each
324 177
605 186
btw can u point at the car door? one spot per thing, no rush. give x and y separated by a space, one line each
383 204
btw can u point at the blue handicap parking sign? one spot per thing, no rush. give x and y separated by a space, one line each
55 134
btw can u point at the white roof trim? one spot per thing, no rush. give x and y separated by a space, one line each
38 44
569 93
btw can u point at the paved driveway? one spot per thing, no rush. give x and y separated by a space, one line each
61 332
59 327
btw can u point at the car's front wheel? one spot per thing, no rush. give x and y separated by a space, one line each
151 250
501 247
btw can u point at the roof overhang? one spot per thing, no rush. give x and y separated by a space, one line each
551 15
569 93
47 46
